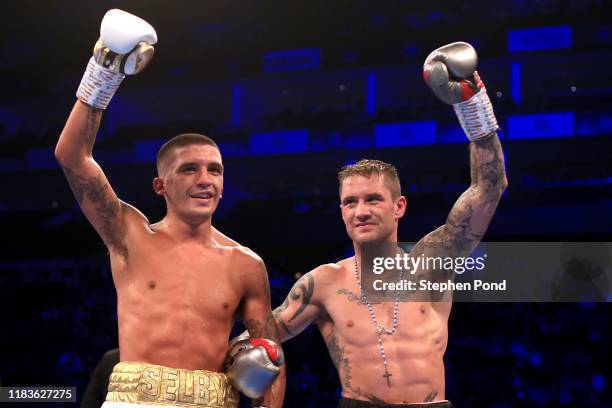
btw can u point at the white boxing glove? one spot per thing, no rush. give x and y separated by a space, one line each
125 47
252 365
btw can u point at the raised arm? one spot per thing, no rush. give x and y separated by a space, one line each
450 72
87 180
124 48
469 218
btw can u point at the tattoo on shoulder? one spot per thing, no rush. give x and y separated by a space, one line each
302 290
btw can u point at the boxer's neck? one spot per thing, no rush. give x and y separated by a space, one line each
183 230
391 239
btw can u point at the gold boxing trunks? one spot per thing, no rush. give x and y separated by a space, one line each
143 383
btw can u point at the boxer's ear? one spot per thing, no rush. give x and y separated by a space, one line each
158 186
400 207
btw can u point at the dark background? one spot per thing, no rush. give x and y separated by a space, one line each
286 122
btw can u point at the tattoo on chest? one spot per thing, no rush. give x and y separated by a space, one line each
353 297
350 296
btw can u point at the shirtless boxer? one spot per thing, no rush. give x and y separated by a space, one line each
180 283
392 352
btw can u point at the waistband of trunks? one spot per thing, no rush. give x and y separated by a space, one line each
353 403
136 382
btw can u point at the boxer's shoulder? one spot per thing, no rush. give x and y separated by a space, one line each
326 276
221 239
133 215
328 271
243 253
244 260
133 223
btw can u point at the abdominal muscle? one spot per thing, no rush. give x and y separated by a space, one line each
180 339
414 353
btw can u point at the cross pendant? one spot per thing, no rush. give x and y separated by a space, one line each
387 375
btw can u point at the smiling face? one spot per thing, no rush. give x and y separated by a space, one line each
369 211
191 180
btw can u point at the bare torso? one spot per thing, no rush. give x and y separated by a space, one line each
414 353
176 301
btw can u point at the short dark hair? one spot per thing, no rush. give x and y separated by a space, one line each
182 140
367 168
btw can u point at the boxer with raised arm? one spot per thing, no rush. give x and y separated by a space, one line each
179 282
391 353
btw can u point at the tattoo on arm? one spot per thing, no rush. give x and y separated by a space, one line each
277 313
266 330
302 293
76 183
303 289
254 327
270 330
487 164
92 124
469 217
107 209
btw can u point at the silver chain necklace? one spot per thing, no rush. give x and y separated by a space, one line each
379 327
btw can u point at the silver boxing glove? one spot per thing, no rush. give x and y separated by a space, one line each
450 72
252 365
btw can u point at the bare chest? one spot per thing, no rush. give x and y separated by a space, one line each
359 322
160 273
